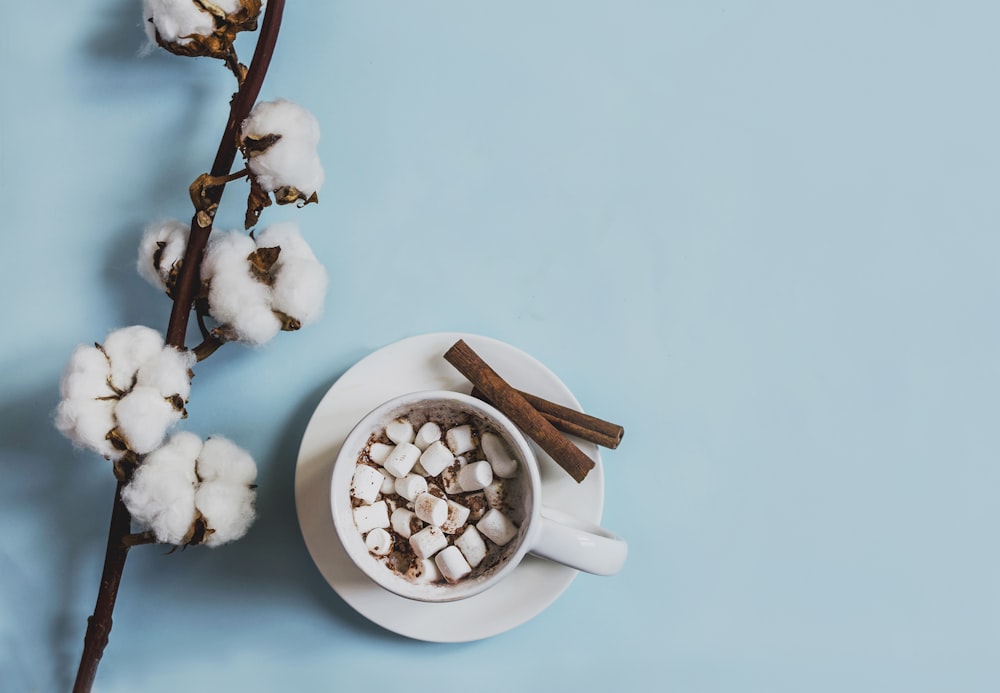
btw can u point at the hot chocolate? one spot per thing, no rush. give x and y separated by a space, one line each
438 496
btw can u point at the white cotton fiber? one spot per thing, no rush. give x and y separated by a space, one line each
299 279
86 375
155 263
127 349
144 417
168 372
87 422
228 511
292 161
223 460
176 19
226 495
236 299
161 495
124 384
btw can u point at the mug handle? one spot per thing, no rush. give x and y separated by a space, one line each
578 544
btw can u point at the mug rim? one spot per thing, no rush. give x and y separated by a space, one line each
342 510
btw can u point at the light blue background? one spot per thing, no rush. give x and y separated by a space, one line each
764 236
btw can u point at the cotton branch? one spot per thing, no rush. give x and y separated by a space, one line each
201 225
184 292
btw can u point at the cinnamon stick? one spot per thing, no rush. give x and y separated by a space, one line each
571 421
510 402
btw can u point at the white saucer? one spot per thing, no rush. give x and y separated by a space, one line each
414 364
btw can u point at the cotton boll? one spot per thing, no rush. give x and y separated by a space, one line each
87 422
300 281
156 262
221 460
175 20
236 299
228 509
161 494
127 349
86 375
143 418
168 372
292 161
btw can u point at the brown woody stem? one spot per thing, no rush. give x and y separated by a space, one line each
99 624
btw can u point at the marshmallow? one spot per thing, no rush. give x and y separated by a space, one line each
431 509
368 517
403 522
388 482
450 476
428 571
472 546
377 452
366 483
402 458
452 564
379 542
475 476
400 431
504 465
460 439
458 515
476 502
436 458
428 541
427 434
411 486
496 494
497 527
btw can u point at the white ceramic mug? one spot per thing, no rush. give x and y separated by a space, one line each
542 532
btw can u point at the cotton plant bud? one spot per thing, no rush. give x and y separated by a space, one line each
401 460
366 483
226 493
368 517
475 476
404 522
199 27
279 140
399 431
161 251
237 300
460 439
428 541
452 564
129 348
379 542
143 417
378 452
187 491
427 434
160 496
431 509
497 527
298 279
122 396
471 544
504 464
436 457
458 515
411 486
